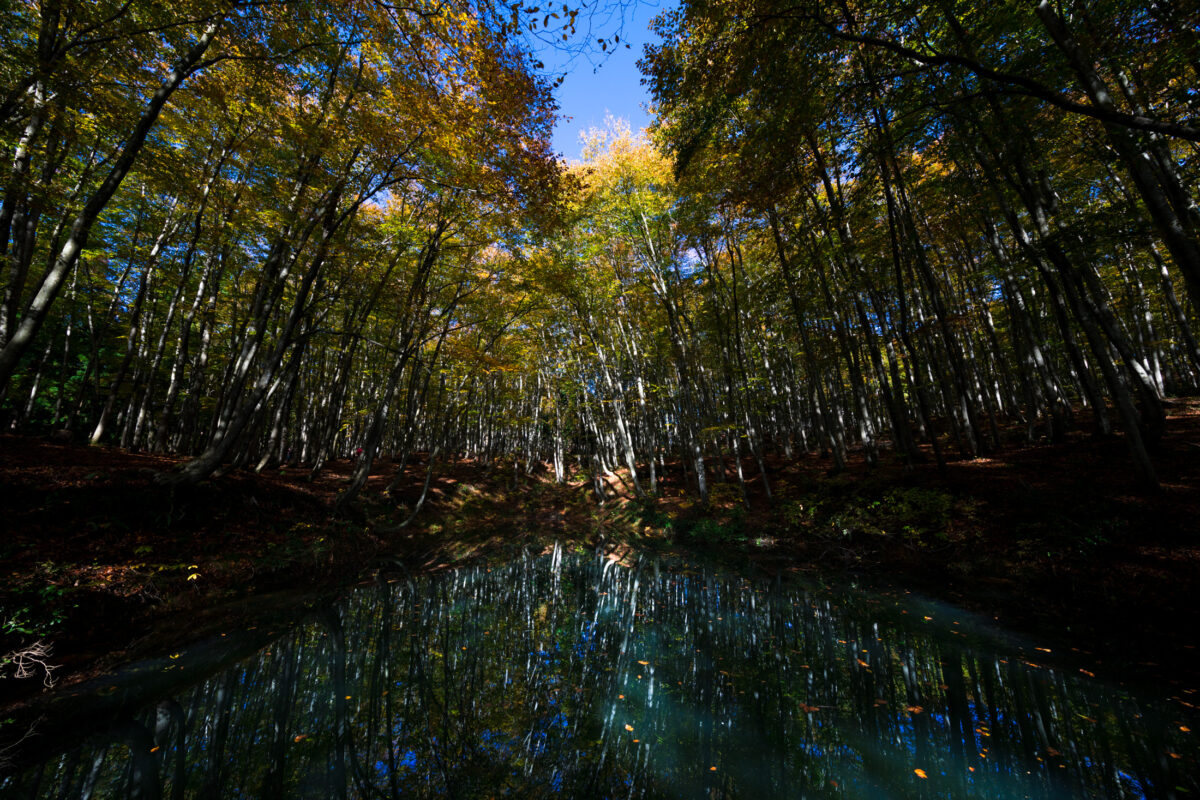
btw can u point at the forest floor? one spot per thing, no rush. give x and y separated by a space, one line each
1054 541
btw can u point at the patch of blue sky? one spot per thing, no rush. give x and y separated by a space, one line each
598 84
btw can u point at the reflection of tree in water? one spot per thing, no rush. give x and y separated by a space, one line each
557 677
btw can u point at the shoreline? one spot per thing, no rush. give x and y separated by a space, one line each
1050 541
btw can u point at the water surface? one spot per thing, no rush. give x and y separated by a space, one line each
576 677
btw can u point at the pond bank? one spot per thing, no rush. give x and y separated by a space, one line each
1054 541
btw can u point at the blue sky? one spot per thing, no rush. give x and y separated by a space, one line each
597 83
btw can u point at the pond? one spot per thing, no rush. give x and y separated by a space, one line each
573 676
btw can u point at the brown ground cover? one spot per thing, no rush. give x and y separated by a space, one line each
1053 540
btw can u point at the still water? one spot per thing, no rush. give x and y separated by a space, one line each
568 676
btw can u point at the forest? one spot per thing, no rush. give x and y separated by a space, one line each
316 267
285 233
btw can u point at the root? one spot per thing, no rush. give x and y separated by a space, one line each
30 660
